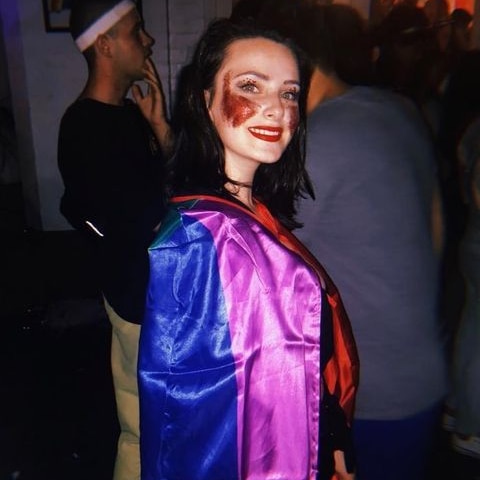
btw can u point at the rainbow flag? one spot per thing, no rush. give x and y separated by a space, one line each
229 363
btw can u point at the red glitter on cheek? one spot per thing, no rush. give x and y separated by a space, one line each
294 119
235 108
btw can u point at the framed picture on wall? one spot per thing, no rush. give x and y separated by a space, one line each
56 14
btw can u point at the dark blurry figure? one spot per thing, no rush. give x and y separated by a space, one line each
410 61
351 44
460 38
403 39
437 13
461 25
462 415
461 104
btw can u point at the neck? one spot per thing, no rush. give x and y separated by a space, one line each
242 175
105 88
242 192
323 87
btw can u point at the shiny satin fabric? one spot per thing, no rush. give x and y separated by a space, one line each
341 372
229 364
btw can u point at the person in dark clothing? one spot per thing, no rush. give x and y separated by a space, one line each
110 154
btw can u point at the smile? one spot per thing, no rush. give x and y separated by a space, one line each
268 134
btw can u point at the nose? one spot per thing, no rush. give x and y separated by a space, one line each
273 106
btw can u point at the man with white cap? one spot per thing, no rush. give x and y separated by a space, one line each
111 157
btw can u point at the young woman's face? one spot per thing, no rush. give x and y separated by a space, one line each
254 104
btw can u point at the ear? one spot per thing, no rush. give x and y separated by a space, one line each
103 45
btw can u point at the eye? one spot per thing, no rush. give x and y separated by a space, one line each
138 29
249 86
291 95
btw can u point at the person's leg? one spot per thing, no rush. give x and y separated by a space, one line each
467 373
466 432
125 336
466 358
397 449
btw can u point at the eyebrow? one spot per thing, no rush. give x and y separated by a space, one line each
263 76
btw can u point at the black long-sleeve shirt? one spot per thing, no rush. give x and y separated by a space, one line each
111 165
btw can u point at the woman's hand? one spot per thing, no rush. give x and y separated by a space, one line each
341 472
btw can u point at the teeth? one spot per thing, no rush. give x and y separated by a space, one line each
264 132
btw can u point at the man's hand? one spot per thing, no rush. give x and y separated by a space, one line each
152 105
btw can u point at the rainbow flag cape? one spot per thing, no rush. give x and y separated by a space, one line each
229 364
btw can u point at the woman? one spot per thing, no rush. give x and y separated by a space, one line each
234 381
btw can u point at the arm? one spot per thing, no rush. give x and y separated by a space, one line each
152 106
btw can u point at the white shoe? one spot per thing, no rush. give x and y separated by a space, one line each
467 446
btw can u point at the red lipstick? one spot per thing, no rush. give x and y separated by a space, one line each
268 134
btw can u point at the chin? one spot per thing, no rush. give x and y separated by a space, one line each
270 157
269 160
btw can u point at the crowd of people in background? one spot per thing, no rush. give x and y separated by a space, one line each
427 55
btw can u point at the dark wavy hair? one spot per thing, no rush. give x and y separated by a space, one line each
198 162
